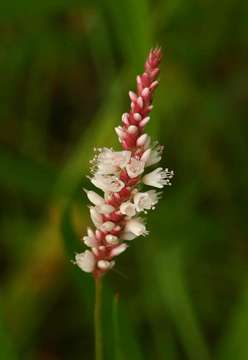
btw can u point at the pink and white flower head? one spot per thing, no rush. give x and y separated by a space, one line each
119 175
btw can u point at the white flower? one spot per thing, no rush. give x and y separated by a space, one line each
158 178
95 217
147 143
136 227
107 183
118 249
108 161
155 155
94 197
146 155
105 208
145 200
105 265
154 196
128 208
90 240
135 167
86 261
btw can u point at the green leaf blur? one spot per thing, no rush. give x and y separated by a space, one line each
65 70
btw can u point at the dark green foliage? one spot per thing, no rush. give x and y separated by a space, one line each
65 70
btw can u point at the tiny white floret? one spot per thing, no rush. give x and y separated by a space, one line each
95 217
128 208
118 249
108 183
144 121
142 140
94 197
136 226
86 261
105 209
145 200
158 178
146 155
155 155
135 168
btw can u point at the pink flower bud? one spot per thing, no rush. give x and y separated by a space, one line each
120 132
124 118
145 92
137 116
133 96
132 129
142 140
118 250
144 121
140 102
111 239
107 226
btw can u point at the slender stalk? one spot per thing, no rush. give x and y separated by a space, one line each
117 347
97 319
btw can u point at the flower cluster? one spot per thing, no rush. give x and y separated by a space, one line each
120 174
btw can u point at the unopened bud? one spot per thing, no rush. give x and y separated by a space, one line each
142 140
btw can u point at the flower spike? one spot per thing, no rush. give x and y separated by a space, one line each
116 214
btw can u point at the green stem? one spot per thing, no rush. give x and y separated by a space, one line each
97 319
117 347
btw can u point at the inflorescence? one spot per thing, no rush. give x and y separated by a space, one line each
117 215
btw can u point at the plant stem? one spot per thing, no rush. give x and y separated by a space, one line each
116 335
97 319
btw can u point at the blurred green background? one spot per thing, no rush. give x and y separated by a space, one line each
65 70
